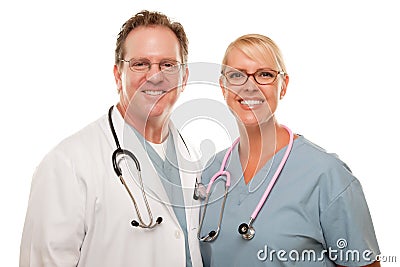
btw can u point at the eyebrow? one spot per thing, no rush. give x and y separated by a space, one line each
243 70
163 59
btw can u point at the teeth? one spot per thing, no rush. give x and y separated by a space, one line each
251 102
157 92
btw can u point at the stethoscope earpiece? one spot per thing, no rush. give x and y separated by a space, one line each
243 228
212 234
135 223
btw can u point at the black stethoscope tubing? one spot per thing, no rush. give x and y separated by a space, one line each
124 152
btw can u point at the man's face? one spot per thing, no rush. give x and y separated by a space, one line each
150 95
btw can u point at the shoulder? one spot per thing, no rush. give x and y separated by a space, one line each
317 152
326 170
87 135
80 145
316 157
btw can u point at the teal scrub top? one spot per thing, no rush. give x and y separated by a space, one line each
169 175
315 215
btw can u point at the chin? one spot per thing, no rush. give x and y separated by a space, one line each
159 111
252 121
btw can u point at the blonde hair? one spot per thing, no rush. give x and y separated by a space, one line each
257 47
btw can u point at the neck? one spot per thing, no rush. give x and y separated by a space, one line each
153 130
258 144
259 139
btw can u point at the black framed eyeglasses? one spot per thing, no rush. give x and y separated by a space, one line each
262 76
167 66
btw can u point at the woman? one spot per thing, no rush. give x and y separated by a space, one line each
314 215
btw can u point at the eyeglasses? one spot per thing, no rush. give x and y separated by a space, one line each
167 66
262 77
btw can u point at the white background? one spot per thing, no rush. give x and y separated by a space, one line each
342 58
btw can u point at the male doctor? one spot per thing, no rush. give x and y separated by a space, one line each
90 208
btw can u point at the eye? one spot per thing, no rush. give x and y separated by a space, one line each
266 74
168 64
235 75
140 64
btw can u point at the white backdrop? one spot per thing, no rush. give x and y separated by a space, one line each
342 58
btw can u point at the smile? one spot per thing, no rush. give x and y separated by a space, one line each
251 102
154 92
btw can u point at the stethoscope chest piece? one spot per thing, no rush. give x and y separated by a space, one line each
246 231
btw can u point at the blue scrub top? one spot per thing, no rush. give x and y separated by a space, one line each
169 175
316 214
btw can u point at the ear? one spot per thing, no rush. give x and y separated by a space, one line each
284 86
117 77
224 90
185 79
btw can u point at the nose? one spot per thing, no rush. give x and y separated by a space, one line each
154 75
250 85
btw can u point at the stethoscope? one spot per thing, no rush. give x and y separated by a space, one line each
119 152
245 229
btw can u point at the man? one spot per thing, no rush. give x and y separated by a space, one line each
79 213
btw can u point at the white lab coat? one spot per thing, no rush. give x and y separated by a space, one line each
79 213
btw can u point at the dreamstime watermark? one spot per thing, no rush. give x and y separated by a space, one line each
341 254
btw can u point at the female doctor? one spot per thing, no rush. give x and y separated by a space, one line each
275 198
105 196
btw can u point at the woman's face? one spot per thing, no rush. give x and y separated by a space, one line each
252 104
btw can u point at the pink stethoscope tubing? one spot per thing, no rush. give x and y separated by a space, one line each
275 177
221 171
246 230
